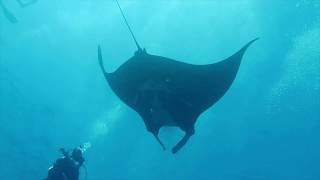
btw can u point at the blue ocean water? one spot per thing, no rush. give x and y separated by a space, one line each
53 94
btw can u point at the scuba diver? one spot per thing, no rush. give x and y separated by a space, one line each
67 167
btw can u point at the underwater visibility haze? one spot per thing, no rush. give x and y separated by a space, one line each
53 94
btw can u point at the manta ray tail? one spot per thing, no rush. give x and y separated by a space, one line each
125 20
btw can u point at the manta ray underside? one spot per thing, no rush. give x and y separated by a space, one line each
166 92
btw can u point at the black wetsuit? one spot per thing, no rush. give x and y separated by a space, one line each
64 168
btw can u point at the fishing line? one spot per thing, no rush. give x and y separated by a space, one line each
125 19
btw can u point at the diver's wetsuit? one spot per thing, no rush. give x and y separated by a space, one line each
65 168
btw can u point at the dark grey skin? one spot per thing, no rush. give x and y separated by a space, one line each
166 92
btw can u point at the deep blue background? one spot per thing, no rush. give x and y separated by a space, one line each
53 94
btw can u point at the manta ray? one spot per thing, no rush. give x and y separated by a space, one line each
167 92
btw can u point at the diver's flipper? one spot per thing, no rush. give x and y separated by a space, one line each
160 142
181 143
